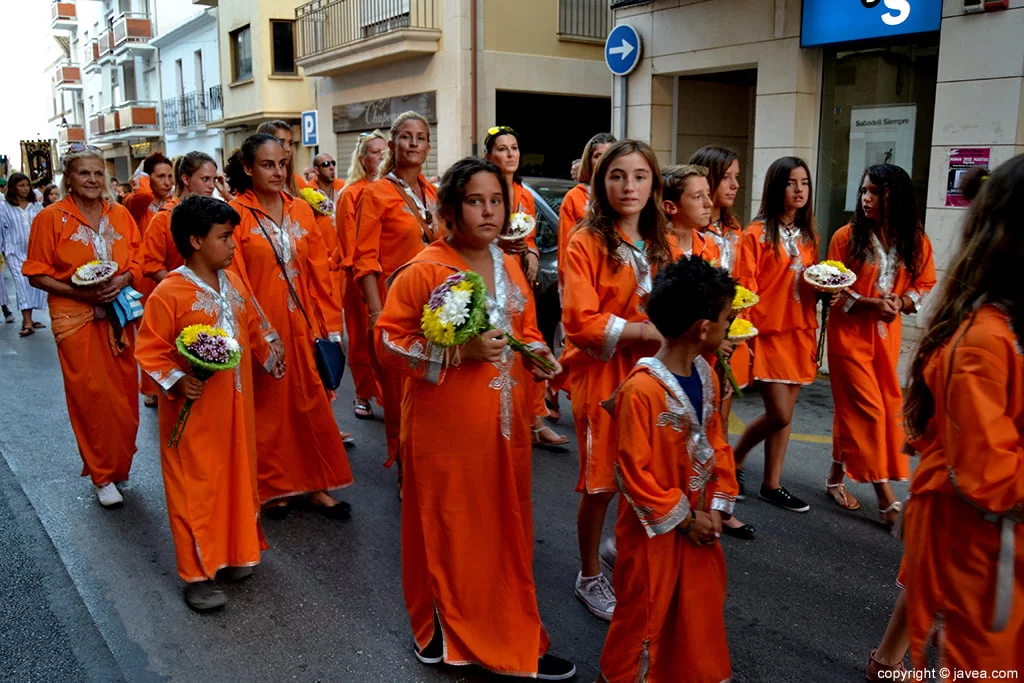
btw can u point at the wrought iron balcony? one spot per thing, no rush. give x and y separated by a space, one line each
192 110
339 35
584 20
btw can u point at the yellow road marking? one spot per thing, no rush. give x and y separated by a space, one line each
737 427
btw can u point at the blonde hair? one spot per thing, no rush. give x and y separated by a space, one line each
388 164
674 179
356 171
68 163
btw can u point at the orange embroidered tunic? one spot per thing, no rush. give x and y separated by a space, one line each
963 562
467 516
100 376
669 621
570 213
726 237
863 353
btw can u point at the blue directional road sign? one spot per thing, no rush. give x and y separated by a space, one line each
309 129
622 50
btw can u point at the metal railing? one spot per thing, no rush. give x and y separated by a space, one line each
192 110
584 19
325 25
131 27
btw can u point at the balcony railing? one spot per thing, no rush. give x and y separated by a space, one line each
587 20
192 110
68 76
325 25
69 134
129 119
132 28
104 46
64 16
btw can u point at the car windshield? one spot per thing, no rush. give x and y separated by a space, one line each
551 190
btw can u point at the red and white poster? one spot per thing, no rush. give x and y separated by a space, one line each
961 160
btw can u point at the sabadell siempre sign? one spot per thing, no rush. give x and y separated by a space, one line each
842 21
860 123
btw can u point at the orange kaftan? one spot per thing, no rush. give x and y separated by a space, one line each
388 235
101 381
571 212
354 307
951 552
146 285
786 348
467 516
210 476
727 238
332 306
862 356
298 444
703 246
522 202
158 251
669 621
600 296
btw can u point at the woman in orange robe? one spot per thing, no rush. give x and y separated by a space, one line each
963 562
210 474
101 380
676 476
467 515
501 146
610 263
299 448
366 157
774 252
892 258
328 185
394 222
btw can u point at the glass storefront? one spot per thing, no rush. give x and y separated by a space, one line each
878 105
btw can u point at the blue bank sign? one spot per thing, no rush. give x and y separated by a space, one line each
840 21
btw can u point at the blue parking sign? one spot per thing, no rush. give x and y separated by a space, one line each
309 129
622 50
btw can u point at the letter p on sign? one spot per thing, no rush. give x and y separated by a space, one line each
309 129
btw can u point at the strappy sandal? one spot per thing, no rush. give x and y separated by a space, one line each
880 671
892 523
26 332
549 439
551 403
362 409
844 499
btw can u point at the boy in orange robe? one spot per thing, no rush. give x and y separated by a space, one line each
101 379
210 474
676 476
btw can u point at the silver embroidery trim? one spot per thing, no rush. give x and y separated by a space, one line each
887 264
101 240
223 305
610 340
789 238
727 241
852 298
416 355
918 298
661 525
637 260
502 307
723 503
169 381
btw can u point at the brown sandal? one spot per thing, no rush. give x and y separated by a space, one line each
876 668
546 437
844 499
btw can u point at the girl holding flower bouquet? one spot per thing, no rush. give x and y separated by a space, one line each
611 259
886 247
101 380
467 516
501 146
774 251
210 473
299 447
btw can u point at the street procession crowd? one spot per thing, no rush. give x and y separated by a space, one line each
232 300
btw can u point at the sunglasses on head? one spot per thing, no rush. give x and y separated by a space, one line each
496 130
77 147
327 164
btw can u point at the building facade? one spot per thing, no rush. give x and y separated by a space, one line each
930 85
191 96
467 65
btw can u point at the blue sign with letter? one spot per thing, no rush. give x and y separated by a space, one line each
622 50
840 21
309 129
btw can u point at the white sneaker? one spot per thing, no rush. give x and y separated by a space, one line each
608 553
597 594
109 496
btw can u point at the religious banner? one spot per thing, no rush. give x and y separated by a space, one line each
37 161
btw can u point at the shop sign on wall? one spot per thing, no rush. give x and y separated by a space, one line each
360 116
960 161
879 135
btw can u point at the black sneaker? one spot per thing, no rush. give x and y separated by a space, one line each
552 668
433 653
742 495
204 596
784 499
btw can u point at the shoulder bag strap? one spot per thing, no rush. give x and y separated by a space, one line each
284 271
428 232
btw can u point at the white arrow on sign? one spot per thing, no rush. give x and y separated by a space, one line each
623 50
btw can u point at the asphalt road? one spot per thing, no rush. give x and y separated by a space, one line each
91 594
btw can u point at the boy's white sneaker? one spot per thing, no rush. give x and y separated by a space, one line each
108 496
597 594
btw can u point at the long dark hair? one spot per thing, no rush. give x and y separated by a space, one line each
46 194
239 180
986 270
12 188
600 217
271 127
717 160
899 225
773 201
493 138
452 190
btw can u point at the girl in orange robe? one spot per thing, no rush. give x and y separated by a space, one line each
892 258
299 448
963 562
608 273
394 222
676 476
366 157
774 252
501 146
194 174
467 515
101 380
210 475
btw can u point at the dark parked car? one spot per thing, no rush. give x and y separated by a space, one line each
548 194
